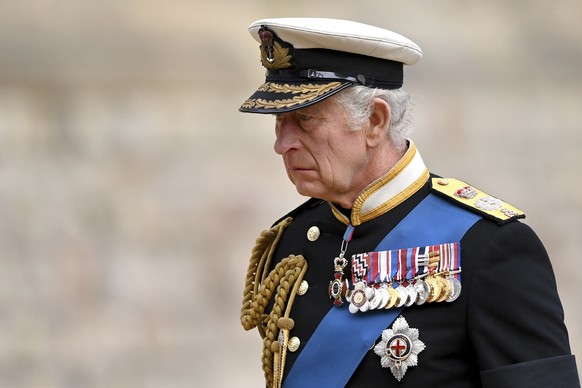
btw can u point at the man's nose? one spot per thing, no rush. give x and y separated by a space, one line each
286 135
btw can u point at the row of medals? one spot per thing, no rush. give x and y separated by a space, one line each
435 287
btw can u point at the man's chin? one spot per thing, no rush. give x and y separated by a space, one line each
307 190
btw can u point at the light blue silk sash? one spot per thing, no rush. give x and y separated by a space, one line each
341 340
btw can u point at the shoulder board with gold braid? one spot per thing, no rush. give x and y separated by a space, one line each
475 200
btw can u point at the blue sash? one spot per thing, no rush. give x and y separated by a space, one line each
341 340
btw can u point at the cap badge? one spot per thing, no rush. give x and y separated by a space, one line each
273 55
399 348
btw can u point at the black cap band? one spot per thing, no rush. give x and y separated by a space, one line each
324 64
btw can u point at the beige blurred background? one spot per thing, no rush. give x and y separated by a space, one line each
131 189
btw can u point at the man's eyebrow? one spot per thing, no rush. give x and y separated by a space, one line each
311 112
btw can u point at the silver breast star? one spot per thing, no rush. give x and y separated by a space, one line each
399 348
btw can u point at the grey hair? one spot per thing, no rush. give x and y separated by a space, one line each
358 107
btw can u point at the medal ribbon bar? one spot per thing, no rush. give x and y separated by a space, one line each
404 265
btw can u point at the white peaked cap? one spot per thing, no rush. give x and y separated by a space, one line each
342 35
311 59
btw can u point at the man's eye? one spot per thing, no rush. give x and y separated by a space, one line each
302 117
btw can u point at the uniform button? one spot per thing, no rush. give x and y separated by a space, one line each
303 287
293 344
443 181
313 233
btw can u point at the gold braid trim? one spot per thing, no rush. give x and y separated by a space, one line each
306 93
260 285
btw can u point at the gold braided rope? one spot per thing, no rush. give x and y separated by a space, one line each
258 268
260 285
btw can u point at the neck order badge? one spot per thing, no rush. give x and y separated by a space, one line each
339 286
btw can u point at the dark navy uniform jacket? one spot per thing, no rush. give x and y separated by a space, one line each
505 330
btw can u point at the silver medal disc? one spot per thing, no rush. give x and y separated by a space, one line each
376 300
403 296
423 291
385 296
412 295
456 286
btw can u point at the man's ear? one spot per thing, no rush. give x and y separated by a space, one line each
379 123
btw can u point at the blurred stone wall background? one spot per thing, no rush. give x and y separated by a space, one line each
131 189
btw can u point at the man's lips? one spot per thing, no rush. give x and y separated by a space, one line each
298 168
295 164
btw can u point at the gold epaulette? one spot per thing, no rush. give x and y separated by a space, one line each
475 200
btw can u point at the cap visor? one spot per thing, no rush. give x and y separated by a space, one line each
275 97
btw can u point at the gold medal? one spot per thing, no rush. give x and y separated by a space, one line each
446 289
435 288
393 297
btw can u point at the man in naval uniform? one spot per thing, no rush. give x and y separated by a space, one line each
388 275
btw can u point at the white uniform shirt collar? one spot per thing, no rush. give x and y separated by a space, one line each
388 191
